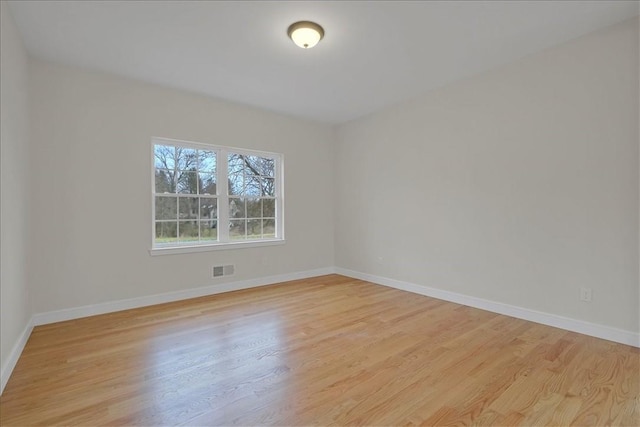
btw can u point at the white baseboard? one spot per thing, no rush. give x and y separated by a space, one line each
126 304
112 306
580 326
16 351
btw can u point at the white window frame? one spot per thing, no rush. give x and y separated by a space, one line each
222 197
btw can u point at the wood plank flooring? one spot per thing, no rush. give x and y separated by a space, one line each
324 351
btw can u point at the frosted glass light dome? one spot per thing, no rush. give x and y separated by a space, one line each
305 34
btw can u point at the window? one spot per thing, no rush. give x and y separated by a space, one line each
209 197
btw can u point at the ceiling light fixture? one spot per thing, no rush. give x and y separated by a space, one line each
305 34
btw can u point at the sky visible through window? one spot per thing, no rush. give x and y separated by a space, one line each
187 199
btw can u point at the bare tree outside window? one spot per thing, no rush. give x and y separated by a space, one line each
185 194
251 196
187 198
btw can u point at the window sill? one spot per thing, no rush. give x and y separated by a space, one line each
215 247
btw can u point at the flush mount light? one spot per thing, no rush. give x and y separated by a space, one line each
305 34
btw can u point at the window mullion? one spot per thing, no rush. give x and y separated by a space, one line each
223 195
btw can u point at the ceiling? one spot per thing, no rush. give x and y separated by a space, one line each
374 53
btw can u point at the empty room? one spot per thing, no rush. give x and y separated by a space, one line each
299 213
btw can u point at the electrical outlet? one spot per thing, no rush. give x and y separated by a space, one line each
585 294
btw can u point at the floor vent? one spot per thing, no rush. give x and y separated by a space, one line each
223 270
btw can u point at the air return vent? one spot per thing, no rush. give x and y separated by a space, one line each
222 270
228 270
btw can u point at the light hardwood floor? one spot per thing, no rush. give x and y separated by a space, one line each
327 350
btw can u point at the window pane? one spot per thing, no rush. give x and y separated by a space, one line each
207 161
188 183
268 208
268 187
208 230
252 162
164 181
166 207
166 233
187 158
207 183
208 208
188 231
268 228
235 163
254 208
164 156
237 229
251 167
268 167
254 229
188 207
236 184
259 166
236 208
252 185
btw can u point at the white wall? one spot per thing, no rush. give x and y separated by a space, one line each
519 185
91 136
14 189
